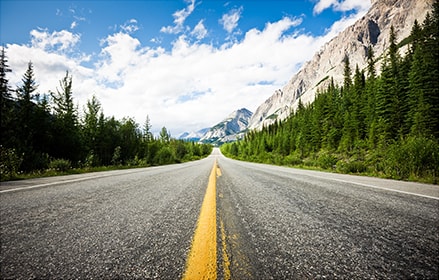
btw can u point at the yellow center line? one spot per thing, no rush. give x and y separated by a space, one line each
201 263
226 260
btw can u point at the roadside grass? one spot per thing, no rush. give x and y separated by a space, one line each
51 172
71 171
368 166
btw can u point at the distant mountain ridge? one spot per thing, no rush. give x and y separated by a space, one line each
231 128
194 136
371 30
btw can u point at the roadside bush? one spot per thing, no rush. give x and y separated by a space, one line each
293 160
354 166
62 165
413 157
327 160
165 156
117 156
10 162
91 160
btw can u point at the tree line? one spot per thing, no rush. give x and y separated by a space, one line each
40 132
385 125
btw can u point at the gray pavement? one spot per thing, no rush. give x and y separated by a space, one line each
278 223
285 223
132 224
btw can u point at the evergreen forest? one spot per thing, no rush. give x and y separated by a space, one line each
384 124
45 135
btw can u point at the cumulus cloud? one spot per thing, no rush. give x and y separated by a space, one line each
57 40
199 30
191 86
179 19
348 5
49 68
323 5
230 20
130 26
342 6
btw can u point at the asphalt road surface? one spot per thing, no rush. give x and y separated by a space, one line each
272 223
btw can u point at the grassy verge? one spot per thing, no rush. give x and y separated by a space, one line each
65 169
367 165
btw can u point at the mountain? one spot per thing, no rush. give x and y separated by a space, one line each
193 136
231 128
371 30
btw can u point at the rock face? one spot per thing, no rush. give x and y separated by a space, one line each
230 129
373 29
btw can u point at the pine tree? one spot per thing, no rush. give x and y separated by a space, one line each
423 82
349 116
7 117
371 100
358 103
147 135
164 135
68 144
415 36
347 74
27 124
4 68
25 92
130 139
90 130
63 100
389 94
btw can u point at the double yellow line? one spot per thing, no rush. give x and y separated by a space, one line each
202 260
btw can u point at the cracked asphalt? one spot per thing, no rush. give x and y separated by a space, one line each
279 223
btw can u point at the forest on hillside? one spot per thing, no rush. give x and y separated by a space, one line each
41 133
383 125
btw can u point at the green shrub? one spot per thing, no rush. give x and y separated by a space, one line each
10 162
293 160
413 157
62 165
117 156
91 160
353 166
164 156
327 160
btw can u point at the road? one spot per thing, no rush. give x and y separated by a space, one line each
271 223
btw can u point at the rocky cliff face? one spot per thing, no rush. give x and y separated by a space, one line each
373 29
230 129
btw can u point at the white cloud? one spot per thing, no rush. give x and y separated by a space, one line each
57 40
348 5
130 26
323 5
230 20
73 25
49 68
342 6
199 30
179 19
192 86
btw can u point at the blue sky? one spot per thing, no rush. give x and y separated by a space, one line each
187 64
